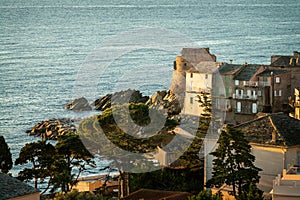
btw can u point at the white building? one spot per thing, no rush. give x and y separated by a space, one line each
287 186
202 78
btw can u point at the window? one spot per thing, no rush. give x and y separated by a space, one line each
249 93
277 93
191 75
277 80
238 106
259 93
191 86
206 76
254 108
254 94
236 82
191 100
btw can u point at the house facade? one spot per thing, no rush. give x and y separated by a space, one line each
275 143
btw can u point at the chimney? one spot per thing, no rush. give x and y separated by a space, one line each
230 61
274 137
296 54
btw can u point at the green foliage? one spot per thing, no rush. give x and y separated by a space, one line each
251 193
75 195
70 153
206 195
5 156
40 155
55 163
103 134
233 162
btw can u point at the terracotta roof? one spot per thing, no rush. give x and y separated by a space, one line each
148 194
260 130
11 187
247 72
229 68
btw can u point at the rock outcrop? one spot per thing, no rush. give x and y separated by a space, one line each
52 128
80 104
127 96
165 100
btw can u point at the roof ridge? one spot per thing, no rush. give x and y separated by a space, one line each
252 120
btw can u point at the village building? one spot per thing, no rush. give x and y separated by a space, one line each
96 182
275 143
14 189
286 186
186 63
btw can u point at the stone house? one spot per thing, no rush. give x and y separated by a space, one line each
201 78
241 88
275 143
274 90
189 58
14 189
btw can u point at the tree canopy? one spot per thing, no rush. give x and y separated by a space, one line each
233 162
5 156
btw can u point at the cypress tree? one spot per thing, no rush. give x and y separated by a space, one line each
5 156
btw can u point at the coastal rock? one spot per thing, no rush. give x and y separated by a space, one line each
127 96
52 128
165 100
80 104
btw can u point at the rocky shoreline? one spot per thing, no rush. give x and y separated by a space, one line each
52 128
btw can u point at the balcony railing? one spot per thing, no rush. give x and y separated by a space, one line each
252 97
251 83
264 83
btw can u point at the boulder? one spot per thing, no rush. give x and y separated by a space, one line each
123 97
80 104
165 100
52 128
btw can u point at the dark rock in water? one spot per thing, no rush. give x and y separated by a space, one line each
165 100
123 97
52 128
80 104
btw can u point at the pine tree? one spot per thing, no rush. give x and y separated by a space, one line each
233 162
5 156
40 155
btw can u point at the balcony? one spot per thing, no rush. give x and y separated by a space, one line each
251 83
263 83
251 97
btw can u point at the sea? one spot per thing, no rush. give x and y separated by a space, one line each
54 51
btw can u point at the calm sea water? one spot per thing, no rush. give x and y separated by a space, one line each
45 44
